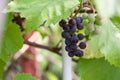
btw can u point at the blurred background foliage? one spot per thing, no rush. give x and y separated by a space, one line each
102 56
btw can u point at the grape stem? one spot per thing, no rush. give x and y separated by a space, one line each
43 23
91 5
58 43
80 7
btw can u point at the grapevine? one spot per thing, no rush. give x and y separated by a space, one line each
86 32
78 29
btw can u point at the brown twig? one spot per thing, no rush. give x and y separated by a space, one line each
58 43
92 7
55 50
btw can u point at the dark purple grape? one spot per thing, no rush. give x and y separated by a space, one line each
67 48
82 45
78 20
65 34
66 27
73 29
73 46
80 36
71 54
79 26
78 53
62 22
72 22
67 41
71 26
74 39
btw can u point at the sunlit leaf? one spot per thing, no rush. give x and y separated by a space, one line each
22 76
11 42
2 64
107 42
116 21
38 11
98 69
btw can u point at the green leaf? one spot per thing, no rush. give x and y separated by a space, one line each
2 64
38 11
92 51
98 69
51 76
107 42
109 10
42 32
11 42
22 76
116 21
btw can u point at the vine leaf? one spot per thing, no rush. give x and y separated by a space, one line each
38 11
98 69
22 76
107 42
91 51
2 64
109 10
11 42
116 21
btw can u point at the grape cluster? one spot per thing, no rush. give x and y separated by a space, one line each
73 41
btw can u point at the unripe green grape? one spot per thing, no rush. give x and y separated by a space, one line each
91 27
87 32
97 20
85 22
91 17
85 16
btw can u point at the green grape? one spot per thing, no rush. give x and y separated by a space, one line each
85 16
91 27
97 20
85 22
87 32
91 17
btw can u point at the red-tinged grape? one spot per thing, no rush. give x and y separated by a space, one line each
62 22
80 36
72 22
82 45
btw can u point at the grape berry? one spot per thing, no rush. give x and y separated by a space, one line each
71 38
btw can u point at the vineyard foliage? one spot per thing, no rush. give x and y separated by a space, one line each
102 52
